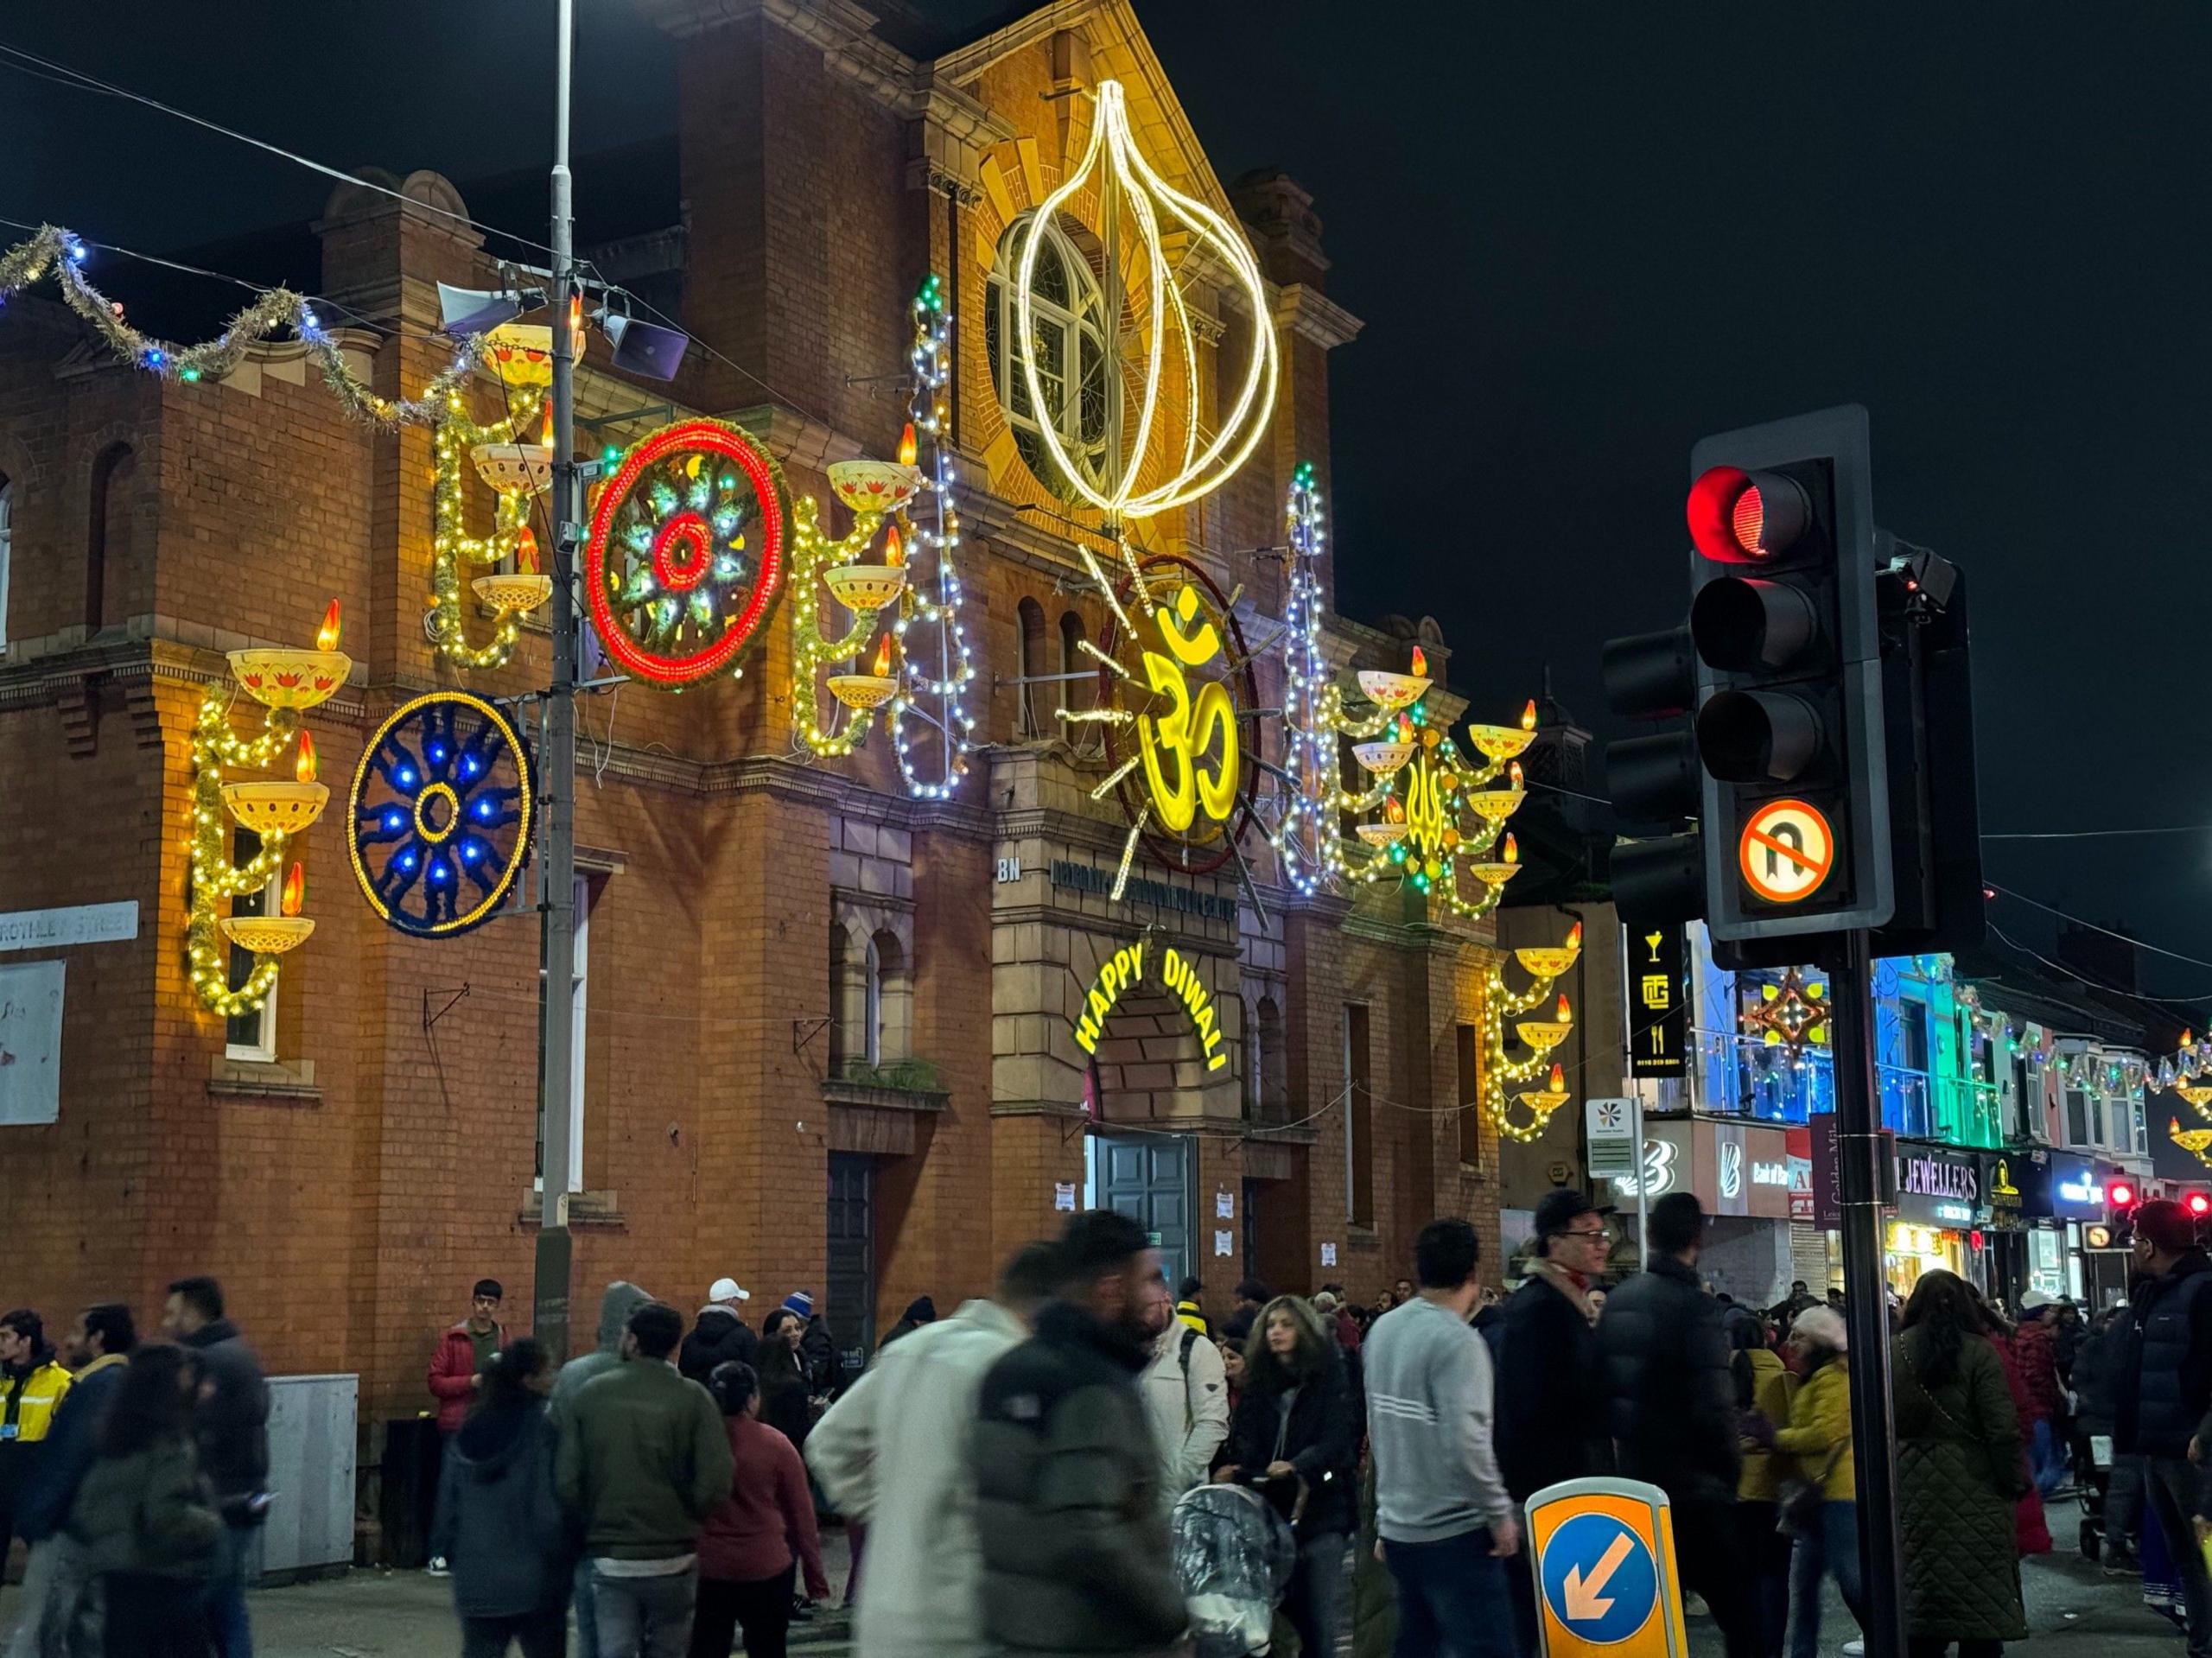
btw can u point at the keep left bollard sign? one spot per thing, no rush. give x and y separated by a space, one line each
1604 1555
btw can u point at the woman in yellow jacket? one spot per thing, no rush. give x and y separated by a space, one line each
1763 1390
1819 1439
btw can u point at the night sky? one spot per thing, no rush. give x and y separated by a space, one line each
1581 236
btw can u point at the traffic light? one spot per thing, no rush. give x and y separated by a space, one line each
2198 1205
1785 630
1820 777
2120 1198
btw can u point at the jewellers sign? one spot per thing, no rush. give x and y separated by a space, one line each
1939 1188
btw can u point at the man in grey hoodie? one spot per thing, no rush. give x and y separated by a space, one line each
621 1300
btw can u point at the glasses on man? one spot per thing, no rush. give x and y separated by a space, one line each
1585 1232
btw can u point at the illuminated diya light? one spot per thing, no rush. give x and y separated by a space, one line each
280 678
863 588
277 807
866 691
875 486
2192 1140
1392 830
1544 1035
273 935
1500 743
1545 1101
515 593
518 468
1388 691
1548 962
522 355
2198 1094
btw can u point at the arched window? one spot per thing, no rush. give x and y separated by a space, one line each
1029 657
1074 693
107 541
890 1001
1067 344
850 1019
7 547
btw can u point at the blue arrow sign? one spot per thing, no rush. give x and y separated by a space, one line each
1599 1579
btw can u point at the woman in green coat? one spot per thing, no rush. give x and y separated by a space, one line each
1960 1471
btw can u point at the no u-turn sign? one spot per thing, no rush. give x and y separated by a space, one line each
1786 852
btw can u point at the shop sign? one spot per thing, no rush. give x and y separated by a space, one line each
1664 1167
1742 1168
1140 889
2077 1193
1938 1188
1179 978
1657 1014
2003 1190
1828 1189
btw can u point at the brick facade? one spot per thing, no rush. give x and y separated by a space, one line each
349 1191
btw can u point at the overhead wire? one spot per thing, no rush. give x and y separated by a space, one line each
61 74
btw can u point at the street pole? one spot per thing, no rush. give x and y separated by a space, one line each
556 759
1866 1288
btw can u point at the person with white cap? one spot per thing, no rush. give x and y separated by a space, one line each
1826 1519
721 1334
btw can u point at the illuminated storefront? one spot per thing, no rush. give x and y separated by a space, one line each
1941 1208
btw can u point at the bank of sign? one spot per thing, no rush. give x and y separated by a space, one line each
1179 978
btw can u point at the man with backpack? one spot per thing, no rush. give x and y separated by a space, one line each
1186 1395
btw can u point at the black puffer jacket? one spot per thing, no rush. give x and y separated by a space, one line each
231 1419
1672 1397
719 1336
2166 1377
1074 1536
1320 1439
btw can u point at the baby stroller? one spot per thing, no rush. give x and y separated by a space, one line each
1234 1556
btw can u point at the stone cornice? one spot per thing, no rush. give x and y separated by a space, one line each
1313 315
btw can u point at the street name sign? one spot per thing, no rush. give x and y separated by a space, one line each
1604 1562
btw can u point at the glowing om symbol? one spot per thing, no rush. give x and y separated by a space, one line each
1185 733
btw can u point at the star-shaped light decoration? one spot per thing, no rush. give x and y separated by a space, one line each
1791 1014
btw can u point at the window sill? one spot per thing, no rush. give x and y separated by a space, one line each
254 1079
596 1208
835 1092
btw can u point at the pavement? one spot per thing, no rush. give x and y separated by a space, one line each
2073 1609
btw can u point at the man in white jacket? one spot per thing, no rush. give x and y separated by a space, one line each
1186 1394
893 1452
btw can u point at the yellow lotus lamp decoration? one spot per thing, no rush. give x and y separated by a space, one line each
285 681
866 692
521 354
2198 1094
1544 964
1498 744
1395 691
273 935
1384 759
1495 875
2197 1142
1389 830
518 473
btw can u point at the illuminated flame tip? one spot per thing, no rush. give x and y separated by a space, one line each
295 890
327 637
304 770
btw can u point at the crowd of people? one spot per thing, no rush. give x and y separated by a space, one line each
1015 1476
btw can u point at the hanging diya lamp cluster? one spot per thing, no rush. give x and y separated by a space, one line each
286 683
518 472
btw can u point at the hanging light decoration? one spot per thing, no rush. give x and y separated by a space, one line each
1115 173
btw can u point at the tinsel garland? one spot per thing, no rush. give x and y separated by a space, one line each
60 253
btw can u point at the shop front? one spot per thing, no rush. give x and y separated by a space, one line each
1740 1172
1939 1214
2026 1243
2095 1273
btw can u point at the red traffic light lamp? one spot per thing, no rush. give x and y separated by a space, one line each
2198 1204
1746 518
2120 1195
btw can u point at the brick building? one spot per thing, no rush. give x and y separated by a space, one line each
828 1027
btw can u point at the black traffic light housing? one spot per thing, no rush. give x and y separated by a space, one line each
1789 727
1657 870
